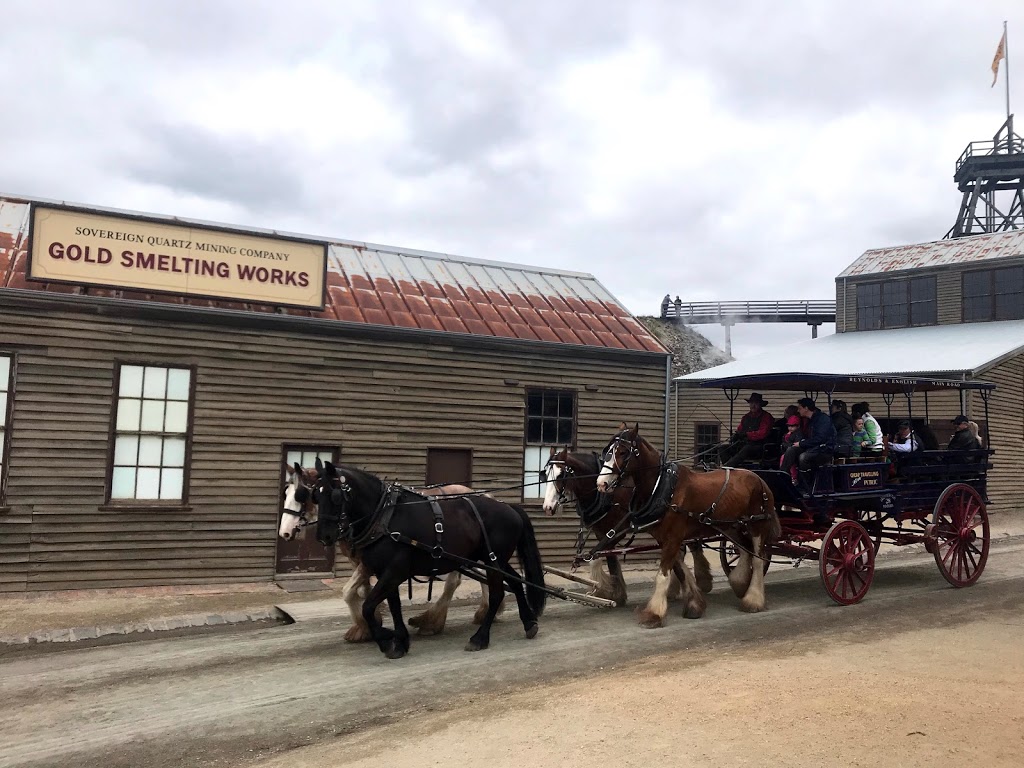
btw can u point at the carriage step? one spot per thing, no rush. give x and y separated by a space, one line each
570 576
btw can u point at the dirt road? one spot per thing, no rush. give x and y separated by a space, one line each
917 674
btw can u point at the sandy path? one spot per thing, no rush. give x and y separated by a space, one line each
925 698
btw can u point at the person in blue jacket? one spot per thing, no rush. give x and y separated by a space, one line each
818 445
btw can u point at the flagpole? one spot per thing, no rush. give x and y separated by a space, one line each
1006 60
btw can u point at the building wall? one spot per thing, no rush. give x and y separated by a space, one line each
383 402
1006 427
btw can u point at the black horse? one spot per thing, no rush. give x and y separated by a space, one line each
398 533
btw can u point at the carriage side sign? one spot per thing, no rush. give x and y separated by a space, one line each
153 256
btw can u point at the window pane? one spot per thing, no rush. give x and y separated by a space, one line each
128 415
977 308
3 409
1009 280
150 451
977 283
174 452
177 417
1008 307
533 431
1 448
123 483
565 408
564 432
5 372
171 483
152 415
923 313
126 451
534 401
534 457
922 289
178 380
131 381
550 405
550 432
155 383
148 483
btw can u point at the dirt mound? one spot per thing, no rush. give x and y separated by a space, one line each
690 350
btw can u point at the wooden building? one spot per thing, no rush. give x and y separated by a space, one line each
946 309
155 372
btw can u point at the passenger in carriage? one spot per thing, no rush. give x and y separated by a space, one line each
791 438
843 423
963 438
861 442
871 427
816 447
904 441
748 441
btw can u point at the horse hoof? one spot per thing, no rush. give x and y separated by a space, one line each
705 585
473 645
532 631
693 612
480 615
649 620
429 631
395 651
751 607
415 621
357 634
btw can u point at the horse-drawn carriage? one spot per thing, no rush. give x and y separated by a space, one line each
750 515
854 505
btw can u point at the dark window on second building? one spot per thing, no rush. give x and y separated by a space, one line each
993 294
896 303
705 437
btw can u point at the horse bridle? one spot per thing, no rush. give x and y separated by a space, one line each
611 451
340 493
567 471
303 494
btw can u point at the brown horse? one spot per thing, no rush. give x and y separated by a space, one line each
300 510
734 503
571 476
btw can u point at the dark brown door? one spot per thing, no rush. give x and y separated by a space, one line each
304 554
449 465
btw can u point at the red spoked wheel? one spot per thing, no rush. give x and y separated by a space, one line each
959 535
729 555
847 562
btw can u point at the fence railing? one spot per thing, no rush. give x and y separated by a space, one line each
759 311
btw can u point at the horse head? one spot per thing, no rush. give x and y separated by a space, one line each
555 474
299 505
625 448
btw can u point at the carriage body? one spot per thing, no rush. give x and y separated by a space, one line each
853 507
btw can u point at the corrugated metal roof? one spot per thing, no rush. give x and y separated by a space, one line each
938 350
380 285
963 250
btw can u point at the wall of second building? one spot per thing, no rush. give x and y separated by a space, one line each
1006 431
382 402
948 295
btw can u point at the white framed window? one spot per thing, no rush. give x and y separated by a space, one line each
550 423
151 433
6 387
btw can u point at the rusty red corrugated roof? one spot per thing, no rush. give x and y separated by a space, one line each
380 285
962 250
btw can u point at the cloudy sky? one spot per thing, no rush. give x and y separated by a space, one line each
718 151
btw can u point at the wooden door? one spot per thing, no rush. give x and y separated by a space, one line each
304 554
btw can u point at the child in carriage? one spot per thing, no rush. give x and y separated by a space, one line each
793 436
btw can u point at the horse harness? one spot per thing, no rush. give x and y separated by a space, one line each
380 526
653 511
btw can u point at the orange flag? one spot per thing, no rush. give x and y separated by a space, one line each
1000 55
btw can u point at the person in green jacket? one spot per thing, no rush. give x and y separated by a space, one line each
872 429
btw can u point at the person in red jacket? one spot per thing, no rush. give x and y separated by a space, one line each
748 441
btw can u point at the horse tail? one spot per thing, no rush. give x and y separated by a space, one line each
529 559
768 508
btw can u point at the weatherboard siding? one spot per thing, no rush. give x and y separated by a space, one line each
383 403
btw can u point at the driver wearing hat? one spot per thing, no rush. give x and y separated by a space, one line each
751 435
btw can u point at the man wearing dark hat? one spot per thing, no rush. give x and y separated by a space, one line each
905 441
748 441
963 439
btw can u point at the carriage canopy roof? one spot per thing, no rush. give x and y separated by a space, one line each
933 353
825 382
